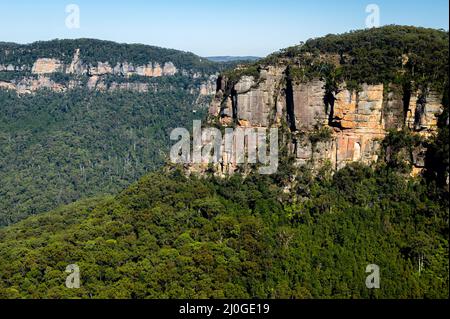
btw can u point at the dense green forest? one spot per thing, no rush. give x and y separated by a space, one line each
94 51
392 54
57 148
173 236
170 236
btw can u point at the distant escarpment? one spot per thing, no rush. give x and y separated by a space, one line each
336 98
104 66
85 117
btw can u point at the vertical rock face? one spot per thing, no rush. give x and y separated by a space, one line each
209 87
356 147
92 82
250 101
76 66
308 105
394 108
157 70
424 107
7 86
29 85
169 69
253 104
357 120
43 67
360 110
146 70
253 98
101 69
46 66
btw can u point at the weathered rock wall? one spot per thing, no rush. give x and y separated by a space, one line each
357 120
39 75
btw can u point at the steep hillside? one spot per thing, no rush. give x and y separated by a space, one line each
172 237
56 148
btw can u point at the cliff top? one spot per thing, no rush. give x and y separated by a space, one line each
390 54
93 51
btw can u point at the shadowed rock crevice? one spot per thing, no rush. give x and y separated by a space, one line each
420 110
234 105
289 91
407 92
337 96
329 100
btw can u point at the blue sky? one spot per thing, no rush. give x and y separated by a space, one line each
225 27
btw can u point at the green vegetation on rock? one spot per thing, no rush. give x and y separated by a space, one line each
390 54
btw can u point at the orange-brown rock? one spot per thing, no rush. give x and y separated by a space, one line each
359 120
360 110
7 86
46 66
423 111
157 70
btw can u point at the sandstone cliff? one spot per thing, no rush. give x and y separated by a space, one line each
358 120
44 72
336 98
